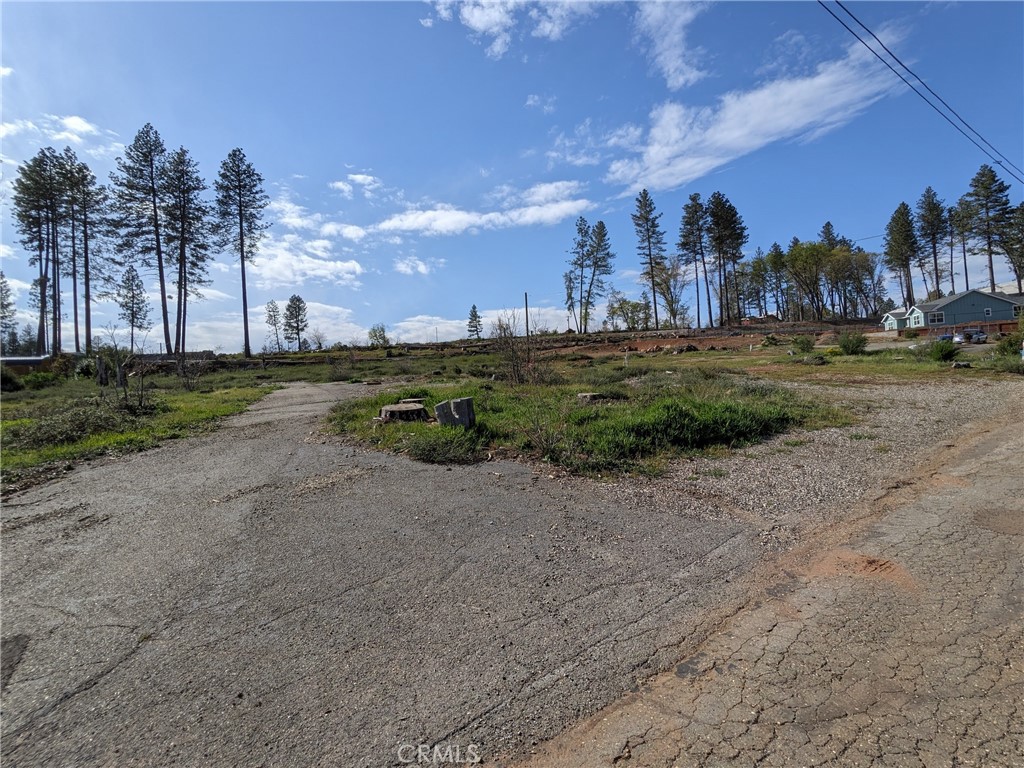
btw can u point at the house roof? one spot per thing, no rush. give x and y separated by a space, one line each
932 306
896 314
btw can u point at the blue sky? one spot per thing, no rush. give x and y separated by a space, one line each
423 157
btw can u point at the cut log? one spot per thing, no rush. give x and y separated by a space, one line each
456 413
404 412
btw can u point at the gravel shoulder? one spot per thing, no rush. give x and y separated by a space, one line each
267 594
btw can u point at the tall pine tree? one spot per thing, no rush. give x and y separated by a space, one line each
133 304
932 228
295 321
474 326
901 250
727 234
188 232
989 197
650 245
136 211
239 208
693 244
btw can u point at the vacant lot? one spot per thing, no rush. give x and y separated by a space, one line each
268 594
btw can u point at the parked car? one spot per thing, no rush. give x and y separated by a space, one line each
972 335
945 337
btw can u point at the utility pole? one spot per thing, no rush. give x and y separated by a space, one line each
526 301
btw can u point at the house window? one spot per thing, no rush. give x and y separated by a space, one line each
936 318
988 311
1017 310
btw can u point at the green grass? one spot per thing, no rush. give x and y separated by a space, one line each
72 422
652 417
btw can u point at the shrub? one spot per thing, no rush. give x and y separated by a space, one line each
63 365
852 343
85 369
71 423
1009 364
803 344
770 341
1010 345
911 333
943 351
445 445
9 382
39 380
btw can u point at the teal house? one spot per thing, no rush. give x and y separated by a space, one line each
968 308
896 320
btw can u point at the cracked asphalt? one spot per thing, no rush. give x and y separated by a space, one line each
903 647
268 595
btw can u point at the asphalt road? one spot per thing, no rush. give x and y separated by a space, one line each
902 647
266 595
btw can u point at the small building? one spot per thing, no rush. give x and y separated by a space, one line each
896 320
971 307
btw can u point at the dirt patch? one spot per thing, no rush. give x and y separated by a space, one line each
846 562
1001 521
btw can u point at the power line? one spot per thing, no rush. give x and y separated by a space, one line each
928 88
910 85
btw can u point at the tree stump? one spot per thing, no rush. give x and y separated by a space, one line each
403 412
456 413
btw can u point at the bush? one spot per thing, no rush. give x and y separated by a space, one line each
445 445
911 333
770 341
1009 364
39 380
679 424
852 343
9 382
85 369
63 365
1010 345
803 344
943 351
71 423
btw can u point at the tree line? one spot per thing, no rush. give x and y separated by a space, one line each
155 218
830 277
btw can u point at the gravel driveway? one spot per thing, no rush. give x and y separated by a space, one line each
267 595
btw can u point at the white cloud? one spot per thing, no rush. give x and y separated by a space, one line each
342 186
550 192
215 295
684 143
15 127
289 260
663 25
498 19
553 19
628 136
427 328
293 215
5 71
428 23
107 151
370 184
791 54
545 104
411 265
491 19
69 128
6 252
542 204
579 149
347 231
